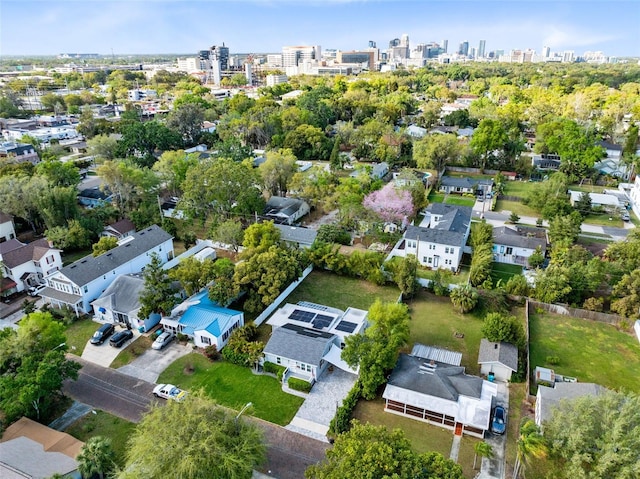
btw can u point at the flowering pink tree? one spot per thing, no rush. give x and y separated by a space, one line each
391 204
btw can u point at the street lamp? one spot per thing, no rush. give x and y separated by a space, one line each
246 406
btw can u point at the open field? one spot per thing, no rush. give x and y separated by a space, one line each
588 350
340 292
234 386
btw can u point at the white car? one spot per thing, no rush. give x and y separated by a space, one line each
169 391
162 340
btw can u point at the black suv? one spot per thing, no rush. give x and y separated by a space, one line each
120 338
103 333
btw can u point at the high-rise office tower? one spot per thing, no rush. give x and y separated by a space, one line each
394 43
404 40
372 44
546 52
445 45
481 47
293 56
463 49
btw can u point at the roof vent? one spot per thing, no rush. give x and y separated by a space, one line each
428 368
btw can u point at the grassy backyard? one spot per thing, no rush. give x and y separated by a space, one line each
69 258
79 333
106 425
234 386
516 207
424 437
451 199
451 278
504 272
604 219
340 291
588 350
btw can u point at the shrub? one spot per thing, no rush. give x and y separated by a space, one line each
552 360
594 304
274 368
182 338
212 353
341 421
333 234
299 385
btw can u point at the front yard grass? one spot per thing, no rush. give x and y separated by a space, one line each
516 207
234 386
604 219
78 333
423 437
460 200
340 292
132 351
588 350
435 323
519 188
106 425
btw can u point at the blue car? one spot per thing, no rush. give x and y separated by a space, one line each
499 421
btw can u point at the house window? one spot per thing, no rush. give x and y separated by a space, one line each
446 250
50 259
501 249
509 250
86 288
278 360
205 340
429 260
424 259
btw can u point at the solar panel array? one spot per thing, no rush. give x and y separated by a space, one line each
319 321
300 315
322 321
346 326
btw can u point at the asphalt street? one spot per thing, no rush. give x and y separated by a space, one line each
288 453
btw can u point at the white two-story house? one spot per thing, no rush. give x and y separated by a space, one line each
78 284
26 265
440 239
7 230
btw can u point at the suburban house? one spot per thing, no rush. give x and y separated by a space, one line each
547 398
79 283
119 229
297 236
440 239
285 210
26 265
120 303
34 451
612 163
170 209
430 385
515 245
416 131
7 229
204 321
634 196
472 186
92 197
498 358
308 337
602 200
544 162
379 170
19 152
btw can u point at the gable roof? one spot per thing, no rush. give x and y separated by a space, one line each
464 182
29 252
123 226
298 343
282 206
10 245
296 234
123 295
549 398
501 352
205 315
5 218
89 268
450 230
510 237
51 440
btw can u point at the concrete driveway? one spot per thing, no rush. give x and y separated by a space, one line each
494 468
103 354
151 363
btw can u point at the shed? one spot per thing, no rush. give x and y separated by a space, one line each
499 358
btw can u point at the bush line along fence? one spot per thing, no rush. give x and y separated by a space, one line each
613 319
273 306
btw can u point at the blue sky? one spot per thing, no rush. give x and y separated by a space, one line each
29 27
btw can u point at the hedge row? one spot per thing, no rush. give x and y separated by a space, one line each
342 419
299 385
274 368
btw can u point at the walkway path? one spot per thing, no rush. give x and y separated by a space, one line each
75 412
455 448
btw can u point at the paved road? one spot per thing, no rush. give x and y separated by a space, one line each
288 453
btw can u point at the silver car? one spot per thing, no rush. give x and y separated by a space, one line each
162 340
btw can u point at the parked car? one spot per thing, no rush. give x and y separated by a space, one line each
36 290
499 421
625 216
103 333
162 340
169 391
120 338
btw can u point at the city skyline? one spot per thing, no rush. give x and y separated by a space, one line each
261 26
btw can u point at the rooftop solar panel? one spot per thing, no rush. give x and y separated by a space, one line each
346 326
322 321
304 316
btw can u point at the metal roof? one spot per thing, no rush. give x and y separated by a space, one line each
207 315
436 354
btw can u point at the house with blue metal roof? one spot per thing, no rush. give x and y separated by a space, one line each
204 321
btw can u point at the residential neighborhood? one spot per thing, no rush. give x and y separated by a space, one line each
284 261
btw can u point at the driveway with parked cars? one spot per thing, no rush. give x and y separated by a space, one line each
151 363
104 354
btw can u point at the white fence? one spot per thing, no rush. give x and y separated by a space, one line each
273 306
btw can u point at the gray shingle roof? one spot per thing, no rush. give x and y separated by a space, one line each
503 353
278 205
89 268
299 344
551 397
451 229
510 237
296 234
30 252
123 295
446 381
464 182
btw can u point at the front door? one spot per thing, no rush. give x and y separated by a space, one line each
436 261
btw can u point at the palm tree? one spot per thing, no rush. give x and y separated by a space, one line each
530 444
464 298
96 457
482 449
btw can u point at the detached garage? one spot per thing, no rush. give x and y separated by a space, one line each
501 359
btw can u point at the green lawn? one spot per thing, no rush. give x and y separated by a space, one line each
79 333
106 425
434 323
459 278
604 219
234 386
132 351
504 272
435 197
519 188
340 292
69 258
586 241
460 200
516 207
424 437
588 350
